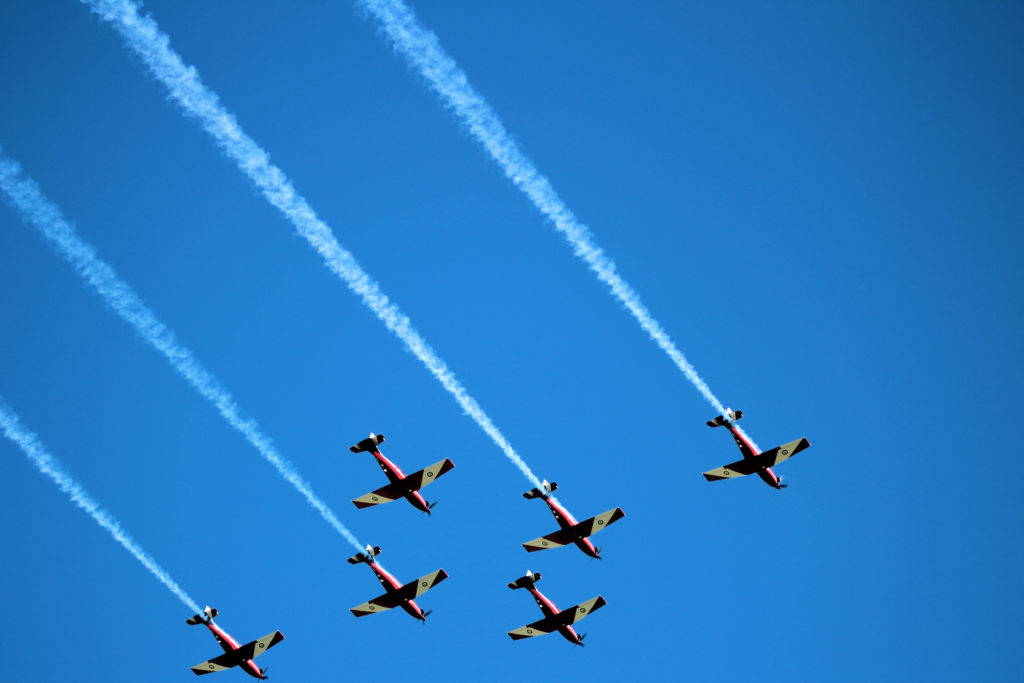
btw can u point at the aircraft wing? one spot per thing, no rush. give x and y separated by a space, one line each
563 618
384 494
774 456
415 589
236 657
553 540
417 480
589 527
381 603
222 663
740 468
409 591
258 647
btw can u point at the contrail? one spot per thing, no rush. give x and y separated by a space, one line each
422 49
152 46
24 195
51 467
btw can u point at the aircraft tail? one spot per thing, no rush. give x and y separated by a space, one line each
541 492
525 581
368 444
205 617
723 420
367 557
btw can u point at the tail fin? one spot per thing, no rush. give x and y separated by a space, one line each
369 444
371 552
542 492
205 617
723 420
525 581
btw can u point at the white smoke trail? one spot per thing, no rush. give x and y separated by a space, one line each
51 467
152 46
25 196
422 49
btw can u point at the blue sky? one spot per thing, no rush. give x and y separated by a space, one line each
820 203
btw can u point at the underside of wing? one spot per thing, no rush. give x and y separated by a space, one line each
774 456
415 589
589 527
417 480
574 614
552 540
258 647
563 618
385 494
381 603
537 628
740 468
222 663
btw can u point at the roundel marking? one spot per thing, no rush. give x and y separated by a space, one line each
583 610
261 645
600 522
785 451
212 667
544 543
374 499
529 630
430 474
423 583
725 471
371 608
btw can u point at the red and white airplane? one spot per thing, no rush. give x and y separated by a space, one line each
397 595
571 531
752 461
554 619
234 654
402 485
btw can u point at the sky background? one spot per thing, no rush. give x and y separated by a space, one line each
821 203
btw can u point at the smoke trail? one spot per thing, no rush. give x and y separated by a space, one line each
25 196
52 468
151 45
423 51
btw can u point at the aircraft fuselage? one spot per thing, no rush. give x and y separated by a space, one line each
749 452
230 645
549 609
566 521
395 475
391 585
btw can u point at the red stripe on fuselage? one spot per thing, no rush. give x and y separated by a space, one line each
546 606
388 465
389 582
565 520
225 640
749 451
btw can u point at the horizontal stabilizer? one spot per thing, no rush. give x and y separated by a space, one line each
525 581
723 420
367 556
564 618
368 444
417 480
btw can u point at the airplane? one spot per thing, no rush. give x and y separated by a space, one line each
402 485
571 531
752 461
234 654
554 619
397 594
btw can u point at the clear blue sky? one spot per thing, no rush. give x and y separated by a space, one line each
821 203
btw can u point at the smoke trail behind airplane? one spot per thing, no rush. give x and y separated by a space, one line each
24 195
51 467
151 45
422 49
